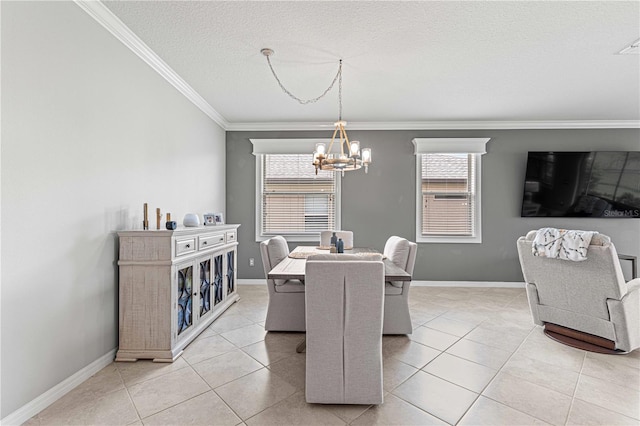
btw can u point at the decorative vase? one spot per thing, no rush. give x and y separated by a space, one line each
191 220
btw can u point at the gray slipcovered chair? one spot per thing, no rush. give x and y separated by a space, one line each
397 319
286 297
347 238
589 296
344 295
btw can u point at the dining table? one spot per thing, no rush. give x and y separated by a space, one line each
292 267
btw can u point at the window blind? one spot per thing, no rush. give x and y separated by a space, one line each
448 194
296 201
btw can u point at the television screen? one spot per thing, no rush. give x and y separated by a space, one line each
602 184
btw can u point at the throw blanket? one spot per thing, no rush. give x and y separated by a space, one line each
562 244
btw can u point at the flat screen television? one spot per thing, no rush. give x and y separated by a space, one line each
602 184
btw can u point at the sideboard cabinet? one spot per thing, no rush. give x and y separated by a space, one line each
173 285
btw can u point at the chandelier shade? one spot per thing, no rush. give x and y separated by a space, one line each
350 156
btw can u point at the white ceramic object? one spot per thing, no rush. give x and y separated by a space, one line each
191 219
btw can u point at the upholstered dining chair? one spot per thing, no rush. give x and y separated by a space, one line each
397 319
285 311
344 295
586 304
347 238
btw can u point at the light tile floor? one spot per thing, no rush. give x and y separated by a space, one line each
474 358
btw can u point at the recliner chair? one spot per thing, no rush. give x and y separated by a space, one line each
589 300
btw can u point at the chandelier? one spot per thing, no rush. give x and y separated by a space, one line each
350 156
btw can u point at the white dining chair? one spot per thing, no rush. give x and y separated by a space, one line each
286 297
397 318
344 297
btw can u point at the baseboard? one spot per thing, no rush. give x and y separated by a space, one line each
500 284
252 281
32 408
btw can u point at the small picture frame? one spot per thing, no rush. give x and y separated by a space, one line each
219 219
209 219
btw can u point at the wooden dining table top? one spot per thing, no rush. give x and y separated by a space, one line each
292 268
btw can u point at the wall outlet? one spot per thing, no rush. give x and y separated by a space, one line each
252 261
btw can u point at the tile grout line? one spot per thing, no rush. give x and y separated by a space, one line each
129 394
494 378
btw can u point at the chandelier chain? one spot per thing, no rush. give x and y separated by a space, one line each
338 77
340 91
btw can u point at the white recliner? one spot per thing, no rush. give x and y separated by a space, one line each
344 295
286 297
590 296
397 319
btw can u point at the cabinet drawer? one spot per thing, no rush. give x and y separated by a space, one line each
185 246
205 241
231 236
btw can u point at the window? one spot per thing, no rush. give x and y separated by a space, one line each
291 200
448 190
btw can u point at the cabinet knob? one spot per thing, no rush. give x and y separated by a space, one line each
204 243
187 245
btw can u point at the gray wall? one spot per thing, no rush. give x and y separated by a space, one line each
382 203
89 133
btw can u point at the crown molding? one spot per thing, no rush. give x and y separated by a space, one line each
442 125
115 26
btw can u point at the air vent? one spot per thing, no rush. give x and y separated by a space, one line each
632 49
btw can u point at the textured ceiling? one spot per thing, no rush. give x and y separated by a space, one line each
403 61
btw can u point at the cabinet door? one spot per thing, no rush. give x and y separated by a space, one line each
231 271
218 278
204 291
184 283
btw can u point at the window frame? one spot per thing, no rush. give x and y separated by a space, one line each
288 147
474 146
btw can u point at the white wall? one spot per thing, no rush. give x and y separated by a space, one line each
89 133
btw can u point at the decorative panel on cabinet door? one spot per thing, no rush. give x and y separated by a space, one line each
173 285
184 297
204 290
231 271
218 278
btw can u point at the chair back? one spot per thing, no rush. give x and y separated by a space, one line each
273 251
347 238
401 252
579 287
344 310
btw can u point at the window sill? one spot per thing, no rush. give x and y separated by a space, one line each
449 239
292 238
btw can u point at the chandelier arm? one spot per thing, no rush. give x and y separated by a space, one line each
343 137
333 138
346 138
316 99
